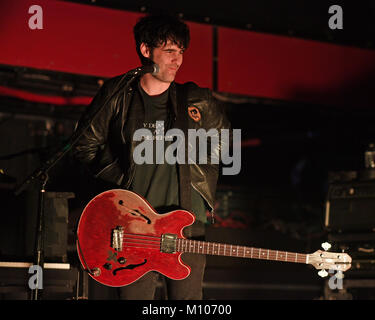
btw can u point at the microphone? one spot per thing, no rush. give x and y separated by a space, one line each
153 69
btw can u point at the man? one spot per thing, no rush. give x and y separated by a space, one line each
107 147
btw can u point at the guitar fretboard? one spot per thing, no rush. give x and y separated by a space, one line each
221 249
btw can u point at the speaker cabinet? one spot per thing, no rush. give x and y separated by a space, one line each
350 206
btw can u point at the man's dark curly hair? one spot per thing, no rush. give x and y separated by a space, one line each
156 30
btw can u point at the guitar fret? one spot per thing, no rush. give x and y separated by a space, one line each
202 247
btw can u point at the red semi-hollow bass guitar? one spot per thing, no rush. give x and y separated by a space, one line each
120 237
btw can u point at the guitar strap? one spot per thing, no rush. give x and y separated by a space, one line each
182 123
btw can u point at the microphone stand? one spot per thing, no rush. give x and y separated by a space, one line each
42 174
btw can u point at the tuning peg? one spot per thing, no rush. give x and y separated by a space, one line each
326 246
323 273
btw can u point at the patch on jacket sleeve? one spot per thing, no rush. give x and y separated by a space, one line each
194 113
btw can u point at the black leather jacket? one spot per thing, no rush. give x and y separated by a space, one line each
107 146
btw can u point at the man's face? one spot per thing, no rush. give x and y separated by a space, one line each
169 58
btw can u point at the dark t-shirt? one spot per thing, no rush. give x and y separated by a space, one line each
158 183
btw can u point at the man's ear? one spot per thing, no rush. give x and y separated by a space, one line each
145 50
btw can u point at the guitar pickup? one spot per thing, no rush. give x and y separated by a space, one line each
117 238
168 243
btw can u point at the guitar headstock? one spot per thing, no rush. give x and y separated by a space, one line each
323 260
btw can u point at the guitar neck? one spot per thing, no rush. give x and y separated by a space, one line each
221 249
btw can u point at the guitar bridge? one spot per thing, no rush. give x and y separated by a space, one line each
168 243
117 238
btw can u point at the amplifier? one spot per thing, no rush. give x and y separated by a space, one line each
361 247
350 206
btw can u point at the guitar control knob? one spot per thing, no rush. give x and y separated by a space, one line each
96 272
121 260
108 266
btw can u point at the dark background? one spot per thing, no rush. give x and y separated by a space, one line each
289 148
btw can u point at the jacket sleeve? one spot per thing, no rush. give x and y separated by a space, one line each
92 149
217 113
217 119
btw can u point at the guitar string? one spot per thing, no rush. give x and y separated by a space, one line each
243 251
138 241
132 240
301 259
153 245
142 235
150 244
